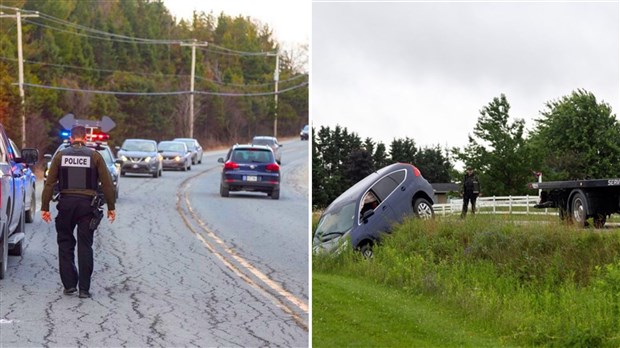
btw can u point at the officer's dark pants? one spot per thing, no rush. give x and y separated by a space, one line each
75 211
466 199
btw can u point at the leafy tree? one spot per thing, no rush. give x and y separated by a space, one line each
358 166
380 157
577 137
434 165
497 150
403 150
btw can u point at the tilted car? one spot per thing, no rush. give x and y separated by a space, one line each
371 207
304 134
194 147
140 156
12 201
272 142
250 168
175 155
108 157
30 181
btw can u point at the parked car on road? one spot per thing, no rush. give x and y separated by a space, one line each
272 142
108 157
30 182
250 168
304 134
194 147
175 155
140 156
12 200
369 208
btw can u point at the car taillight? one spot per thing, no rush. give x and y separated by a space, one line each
416 171
272 167
231 165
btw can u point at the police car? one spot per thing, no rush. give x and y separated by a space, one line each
105 152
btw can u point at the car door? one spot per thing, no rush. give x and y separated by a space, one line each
19 188
384 216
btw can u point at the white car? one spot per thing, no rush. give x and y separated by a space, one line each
272 142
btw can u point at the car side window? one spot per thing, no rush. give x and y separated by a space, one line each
388 184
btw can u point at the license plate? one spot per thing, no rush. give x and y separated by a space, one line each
251 178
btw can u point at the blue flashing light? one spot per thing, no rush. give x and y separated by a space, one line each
65 134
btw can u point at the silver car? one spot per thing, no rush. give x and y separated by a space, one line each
194 147
272 142
176 155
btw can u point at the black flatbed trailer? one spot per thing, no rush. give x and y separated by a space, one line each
579 200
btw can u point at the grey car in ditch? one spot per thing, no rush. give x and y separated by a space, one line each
371 207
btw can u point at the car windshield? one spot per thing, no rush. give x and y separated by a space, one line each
252 156
144 146
336 223
176 147
190 144
305 128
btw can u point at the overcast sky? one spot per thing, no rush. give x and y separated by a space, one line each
424 70
290 20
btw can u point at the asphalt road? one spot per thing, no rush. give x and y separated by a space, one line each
181 266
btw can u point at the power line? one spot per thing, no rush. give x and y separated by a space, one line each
296 77
221 94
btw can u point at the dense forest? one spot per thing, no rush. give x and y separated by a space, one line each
575 137
124 59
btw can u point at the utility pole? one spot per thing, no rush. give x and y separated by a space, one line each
276 78
20 62
193 44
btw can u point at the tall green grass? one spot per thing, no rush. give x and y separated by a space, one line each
531 283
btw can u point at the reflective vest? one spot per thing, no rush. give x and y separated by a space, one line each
77 169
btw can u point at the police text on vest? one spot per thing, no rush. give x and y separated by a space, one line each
75 161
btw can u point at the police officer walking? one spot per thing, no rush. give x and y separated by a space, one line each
78 171
471 190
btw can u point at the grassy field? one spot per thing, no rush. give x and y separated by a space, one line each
483 281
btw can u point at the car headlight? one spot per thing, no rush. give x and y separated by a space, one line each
178 158
123 158
147 160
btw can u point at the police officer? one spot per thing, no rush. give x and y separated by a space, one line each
78 171
471 190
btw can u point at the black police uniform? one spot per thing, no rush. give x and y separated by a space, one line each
78 170
471 190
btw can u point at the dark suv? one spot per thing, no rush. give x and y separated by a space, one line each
140 156
250 168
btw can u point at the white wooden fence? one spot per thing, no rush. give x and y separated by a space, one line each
496 205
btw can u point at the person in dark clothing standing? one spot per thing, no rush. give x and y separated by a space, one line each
77 170
471 190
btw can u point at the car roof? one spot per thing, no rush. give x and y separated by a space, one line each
250 146
132 139
355 191
263 137
184 139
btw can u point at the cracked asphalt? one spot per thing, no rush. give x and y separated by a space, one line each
180 267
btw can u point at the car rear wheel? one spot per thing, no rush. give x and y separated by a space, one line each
578 209
275 194
422 209
33 207
122 173
223 191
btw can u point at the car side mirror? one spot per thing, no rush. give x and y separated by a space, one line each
367 215
220 160
30 156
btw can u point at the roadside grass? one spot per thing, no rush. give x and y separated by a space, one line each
354 312
547 284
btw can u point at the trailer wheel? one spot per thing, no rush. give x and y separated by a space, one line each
578 209
599 220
